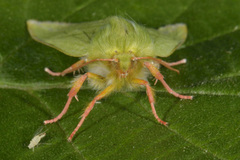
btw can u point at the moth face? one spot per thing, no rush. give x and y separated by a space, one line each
124 64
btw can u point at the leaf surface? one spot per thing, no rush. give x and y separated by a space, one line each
122 125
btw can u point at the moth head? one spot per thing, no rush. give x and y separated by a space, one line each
124 63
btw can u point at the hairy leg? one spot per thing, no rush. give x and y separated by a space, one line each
70 69
104 93
73 92
156 73
150 94
75 66
165 64
182 61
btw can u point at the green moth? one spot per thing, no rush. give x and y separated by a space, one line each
119 54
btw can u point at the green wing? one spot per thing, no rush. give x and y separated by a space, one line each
168 38
74 39
69 38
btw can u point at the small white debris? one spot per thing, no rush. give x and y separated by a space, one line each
235 28
184 60
35 140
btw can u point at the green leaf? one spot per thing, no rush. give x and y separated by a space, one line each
122 125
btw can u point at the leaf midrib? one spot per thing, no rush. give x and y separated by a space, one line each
45 86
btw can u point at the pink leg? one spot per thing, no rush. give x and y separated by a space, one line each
155 72
165 64
182 61
173 64
105 92
73 93
76 66
160 61
150 98
61 114
73 68
76 86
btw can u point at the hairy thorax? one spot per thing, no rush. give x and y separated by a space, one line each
120 74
